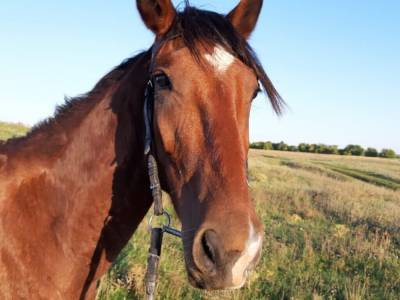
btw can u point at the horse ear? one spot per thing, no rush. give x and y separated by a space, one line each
158 15
245 15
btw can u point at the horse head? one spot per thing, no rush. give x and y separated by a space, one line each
204 77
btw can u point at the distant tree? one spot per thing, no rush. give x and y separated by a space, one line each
302 147
257 145
351 149
356 150
312 148
321 148
344 152
333 149
371 152
268 146
282 146
388 153
326 149
279 146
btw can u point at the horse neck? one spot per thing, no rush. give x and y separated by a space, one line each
92 156
67 171
86 184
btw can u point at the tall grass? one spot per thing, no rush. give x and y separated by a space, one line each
328 235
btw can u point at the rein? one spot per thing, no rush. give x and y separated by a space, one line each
157 232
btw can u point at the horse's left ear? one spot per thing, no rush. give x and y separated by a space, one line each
245 15
158 15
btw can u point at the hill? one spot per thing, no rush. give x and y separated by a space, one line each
332 231
9 130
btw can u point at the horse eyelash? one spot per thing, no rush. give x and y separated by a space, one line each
256 92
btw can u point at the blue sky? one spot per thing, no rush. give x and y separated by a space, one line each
336 63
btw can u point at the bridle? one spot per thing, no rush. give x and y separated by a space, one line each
156 236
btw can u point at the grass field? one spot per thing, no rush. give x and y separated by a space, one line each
332 231
8 130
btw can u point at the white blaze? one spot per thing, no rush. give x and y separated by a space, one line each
220 59
252 246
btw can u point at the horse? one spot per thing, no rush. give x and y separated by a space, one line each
75 188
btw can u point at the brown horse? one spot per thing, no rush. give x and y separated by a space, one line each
73 191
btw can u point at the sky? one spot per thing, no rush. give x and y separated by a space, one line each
335 63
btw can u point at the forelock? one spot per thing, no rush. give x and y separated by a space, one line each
198 28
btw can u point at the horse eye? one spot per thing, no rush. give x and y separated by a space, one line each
162 81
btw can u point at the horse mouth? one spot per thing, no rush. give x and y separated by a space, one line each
213 282
195 280
198 279
222 280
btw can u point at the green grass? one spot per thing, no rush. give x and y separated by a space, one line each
332 231
9 130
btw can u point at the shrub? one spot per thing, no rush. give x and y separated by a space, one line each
344 152
312 148
268 146
257 145
356 150
326 149
280 146
303 147
388 153
371 152
333 149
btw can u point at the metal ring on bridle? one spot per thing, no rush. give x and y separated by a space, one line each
165 213
154 186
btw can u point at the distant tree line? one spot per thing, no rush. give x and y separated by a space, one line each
355 150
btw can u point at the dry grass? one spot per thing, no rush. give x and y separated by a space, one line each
328 235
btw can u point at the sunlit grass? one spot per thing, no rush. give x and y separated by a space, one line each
9 130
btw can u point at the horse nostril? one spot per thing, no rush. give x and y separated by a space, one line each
209 245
